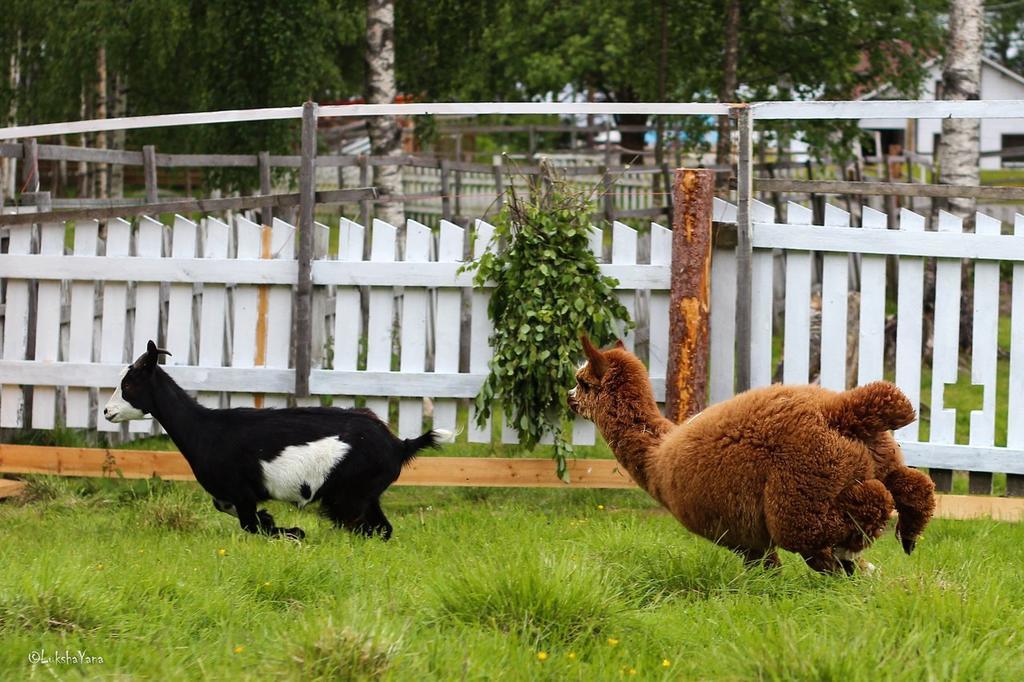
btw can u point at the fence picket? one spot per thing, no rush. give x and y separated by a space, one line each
414 329
834 307
115 306
624 247
1015 403
909 325
213 310
946 348
80 327
149 244
762 265
245 307
797 342
179 306
447 323
348 318
583 430
661 254
984 345
722 319
48 300
479 331
871 325
12 398
380 326
279 308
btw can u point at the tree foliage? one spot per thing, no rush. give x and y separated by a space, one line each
547 289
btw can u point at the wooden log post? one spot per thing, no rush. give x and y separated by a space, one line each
446 197
149 173
690 298
304 287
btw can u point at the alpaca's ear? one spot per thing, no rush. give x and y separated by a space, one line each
619 344
598 363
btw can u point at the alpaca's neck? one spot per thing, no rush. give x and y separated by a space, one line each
633 430
178 414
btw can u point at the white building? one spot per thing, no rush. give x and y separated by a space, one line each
921 136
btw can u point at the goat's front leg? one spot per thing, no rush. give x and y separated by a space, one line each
255 520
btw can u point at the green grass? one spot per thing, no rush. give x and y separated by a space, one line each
474 585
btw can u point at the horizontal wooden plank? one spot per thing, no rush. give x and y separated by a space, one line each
916 109
425 471
132 269
898 189
979 507
893 242
94 462
263 380
963 457
185 206
53 152
447 274
513 473
9 488
245 271
206 160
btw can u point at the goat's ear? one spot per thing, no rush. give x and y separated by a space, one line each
153 353
619 344
598 363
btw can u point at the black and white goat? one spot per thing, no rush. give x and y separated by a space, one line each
343 458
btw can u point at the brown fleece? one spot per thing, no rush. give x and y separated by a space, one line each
797 467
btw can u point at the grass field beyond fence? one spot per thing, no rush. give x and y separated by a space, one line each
479 584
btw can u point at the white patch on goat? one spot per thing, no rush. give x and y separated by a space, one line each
299 465
118 409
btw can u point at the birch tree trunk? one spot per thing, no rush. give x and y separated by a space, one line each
119 108
727 91
385 135
961 80
102 191
9 167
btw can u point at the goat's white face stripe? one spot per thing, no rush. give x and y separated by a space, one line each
297 473
118 409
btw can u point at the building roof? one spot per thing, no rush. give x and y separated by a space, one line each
985 62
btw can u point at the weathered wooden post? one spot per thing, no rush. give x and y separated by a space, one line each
304 286
744 248
263 162
30 169
149 173
690 298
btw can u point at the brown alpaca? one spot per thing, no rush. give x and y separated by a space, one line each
798 467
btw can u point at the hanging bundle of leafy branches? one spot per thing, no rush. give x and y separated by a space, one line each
547 289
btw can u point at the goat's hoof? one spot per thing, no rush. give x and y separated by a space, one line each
294 533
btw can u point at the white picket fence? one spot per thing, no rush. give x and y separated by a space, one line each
788 251
219 296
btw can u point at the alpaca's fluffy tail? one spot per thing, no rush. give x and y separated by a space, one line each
867 410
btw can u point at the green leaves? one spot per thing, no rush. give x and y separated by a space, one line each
547 289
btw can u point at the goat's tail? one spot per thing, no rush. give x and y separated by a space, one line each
870 409
430 439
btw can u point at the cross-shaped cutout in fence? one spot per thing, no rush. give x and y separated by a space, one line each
963 397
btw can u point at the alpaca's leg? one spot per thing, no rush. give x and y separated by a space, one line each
823 561
768 559
867 506
914 496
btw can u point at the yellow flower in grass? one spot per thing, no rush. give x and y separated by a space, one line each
266 584
665 663
612 641
222 552
632 671
571 655
239 649
542 655
600 507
